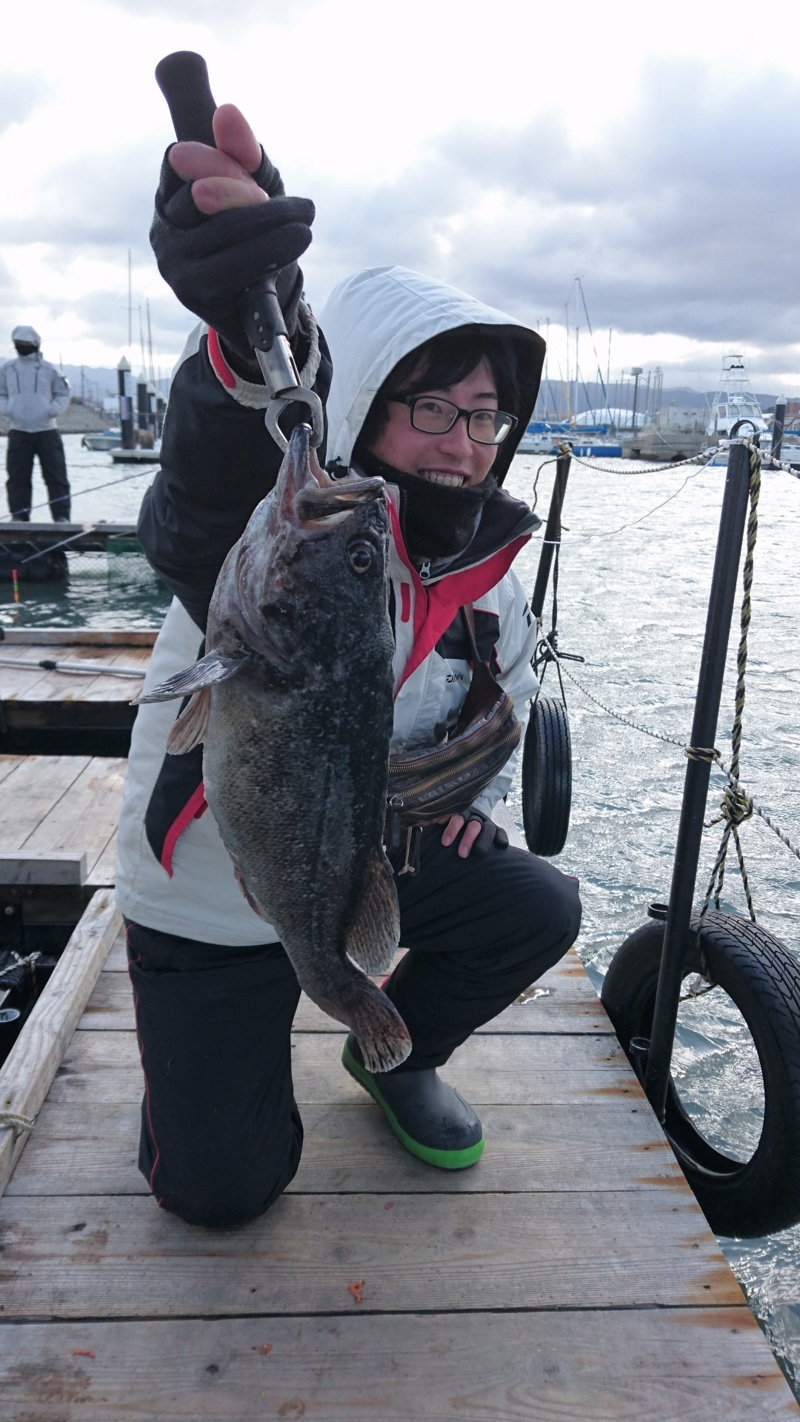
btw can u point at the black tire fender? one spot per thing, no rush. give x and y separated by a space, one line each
547 777
753 1197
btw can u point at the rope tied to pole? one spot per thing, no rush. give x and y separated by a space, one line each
735 807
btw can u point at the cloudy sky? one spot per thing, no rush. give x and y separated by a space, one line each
509 148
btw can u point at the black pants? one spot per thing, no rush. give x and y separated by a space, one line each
221 1134
22 447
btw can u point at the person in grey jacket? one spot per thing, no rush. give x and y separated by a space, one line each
32 394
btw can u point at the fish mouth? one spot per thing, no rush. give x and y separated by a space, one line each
308 498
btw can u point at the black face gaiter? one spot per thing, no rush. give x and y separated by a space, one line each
23 348
437 522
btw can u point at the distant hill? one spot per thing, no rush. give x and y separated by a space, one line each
591 396
93 384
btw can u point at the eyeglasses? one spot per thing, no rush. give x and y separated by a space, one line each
430 415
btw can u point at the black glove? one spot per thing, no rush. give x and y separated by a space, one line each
208 261
491 833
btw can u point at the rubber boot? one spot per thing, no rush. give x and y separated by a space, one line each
428 1117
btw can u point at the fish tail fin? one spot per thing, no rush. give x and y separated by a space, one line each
382 1034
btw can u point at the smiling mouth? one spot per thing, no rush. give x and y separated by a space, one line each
435 476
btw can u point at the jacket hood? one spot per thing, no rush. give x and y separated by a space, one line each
27 335
375 317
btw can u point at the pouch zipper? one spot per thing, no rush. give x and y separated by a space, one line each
396 802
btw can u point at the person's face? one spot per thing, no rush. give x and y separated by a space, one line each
452 459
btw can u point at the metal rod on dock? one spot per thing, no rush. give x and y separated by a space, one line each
698 774
552 536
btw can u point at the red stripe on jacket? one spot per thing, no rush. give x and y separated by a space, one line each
219 364
195 806
436 604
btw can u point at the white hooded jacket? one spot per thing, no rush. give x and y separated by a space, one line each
185 885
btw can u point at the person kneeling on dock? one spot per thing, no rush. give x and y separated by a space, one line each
428 388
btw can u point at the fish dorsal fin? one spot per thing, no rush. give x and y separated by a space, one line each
189 730
374 930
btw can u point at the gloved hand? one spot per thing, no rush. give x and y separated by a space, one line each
478 833
209 260
490 833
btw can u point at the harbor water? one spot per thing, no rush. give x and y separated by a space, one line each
633 582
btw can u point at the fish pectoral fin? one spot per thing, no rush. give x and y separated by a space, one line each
189 729
374 930
239 877
209 671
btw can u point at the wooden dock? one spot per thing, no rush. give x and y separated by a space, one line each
69 691
569 1275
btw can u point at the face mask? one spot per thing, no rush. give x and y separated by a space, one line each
437 522
23 348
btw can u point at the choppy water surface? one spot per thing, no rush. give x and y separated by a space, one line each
634 578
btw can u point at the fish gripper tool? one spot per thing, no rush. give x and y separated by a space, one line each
183 80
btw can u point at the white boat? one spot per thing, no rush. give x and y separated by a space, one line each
592 441
734 401
108 439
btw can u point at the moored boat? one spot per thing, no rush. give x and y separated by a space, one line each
589 441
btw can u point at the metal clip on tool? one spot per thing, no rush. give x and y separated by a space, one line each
266 330
183 80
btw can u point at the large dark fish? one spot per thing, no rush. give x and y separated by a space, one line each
293 704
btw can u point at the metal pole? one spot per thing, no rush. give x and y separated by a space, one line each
125 404
698 773
552 535
635 372
778 422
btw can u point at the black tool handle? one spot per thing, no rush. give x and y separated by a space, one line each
183 79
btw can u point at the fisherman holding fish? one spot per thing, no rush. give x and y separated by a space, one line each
311 633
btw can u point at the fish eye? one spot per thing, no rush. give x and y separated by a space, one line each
360 555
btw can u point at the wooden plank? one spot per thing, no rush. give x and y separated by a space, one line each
90 1148
681 1365
16 683
120 1256
537 1070
111 1006
566 982
103 872
78 637
60 685
29 795
118 688
8 764
66 866
29 1069
87 817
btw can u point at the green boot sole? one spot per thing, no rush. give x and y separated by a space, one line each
443 1159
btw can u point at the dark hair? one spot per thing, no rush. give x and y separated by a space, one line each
439 363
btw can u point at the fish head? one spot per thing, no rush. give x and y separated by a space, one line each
311 565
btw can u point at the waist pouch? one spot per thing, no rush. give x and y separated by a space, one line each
447 779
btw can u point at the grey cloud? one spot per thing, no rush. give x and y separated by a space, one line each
20 95
685 220
90 204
